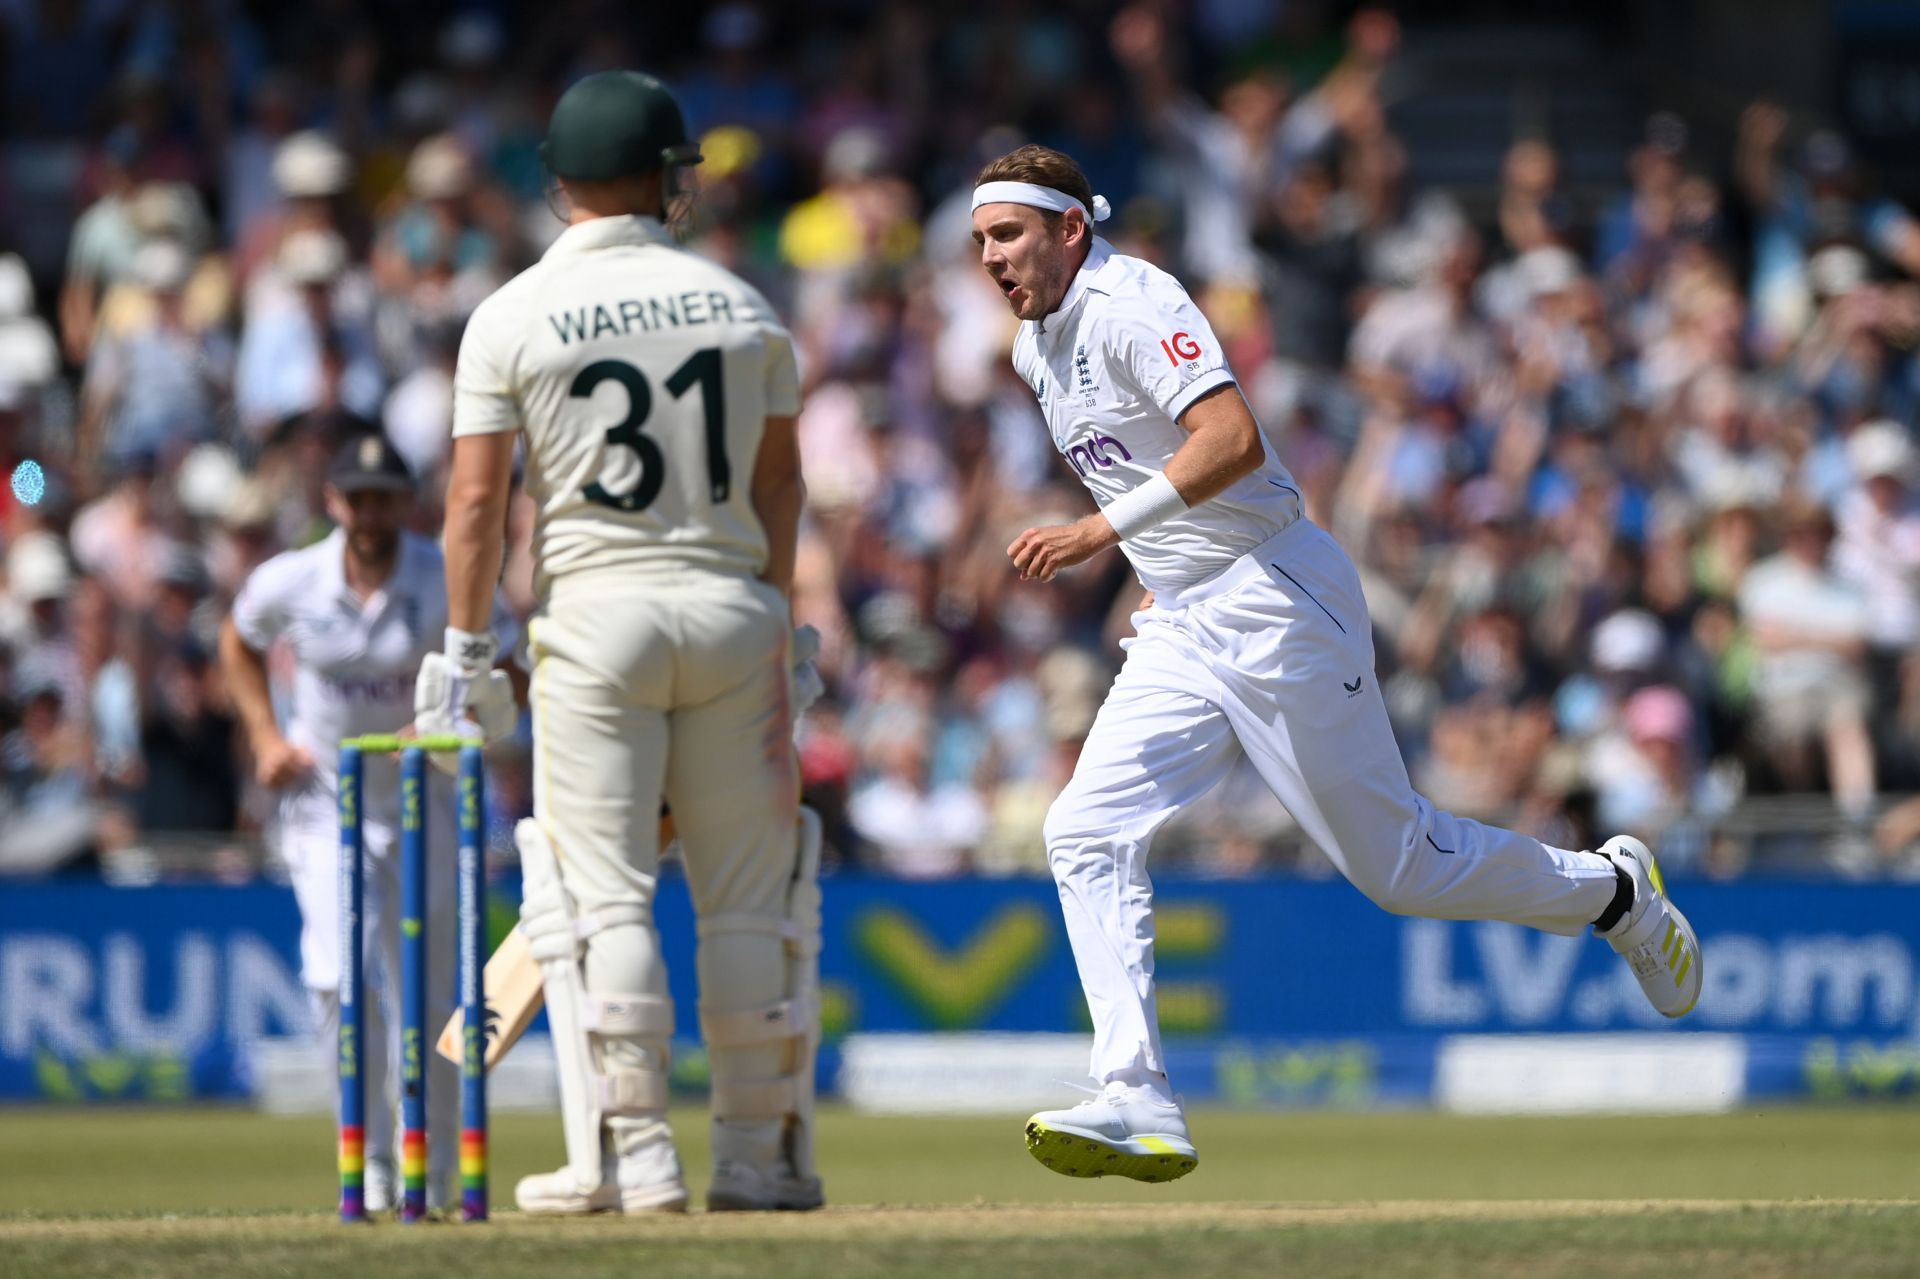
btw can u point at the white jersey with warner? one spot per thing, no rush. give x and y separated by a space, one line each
1125 354
643 376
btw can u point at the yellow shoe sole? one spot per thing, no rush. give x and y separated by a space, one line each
1078 1154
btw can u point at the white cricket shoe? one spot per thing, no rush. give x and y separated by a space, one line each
1121 1131
752 1172
647 1180
1654 937
381 1191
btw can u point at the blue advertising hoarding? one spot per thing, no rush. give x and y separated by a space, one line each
1288 989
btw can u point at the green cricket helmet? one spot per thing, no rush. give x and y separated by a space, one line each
616 124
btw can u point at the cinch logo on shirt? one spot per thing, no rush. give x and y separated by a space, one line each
385 688
1092 455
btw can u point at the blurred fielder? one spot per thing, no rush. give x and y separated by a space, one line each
656 395
1253 638
359 611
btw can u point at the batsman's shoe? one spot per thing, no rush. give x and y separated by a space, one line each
648 1180
1654 937
1121 1131
382 1193
739 1187
754 1172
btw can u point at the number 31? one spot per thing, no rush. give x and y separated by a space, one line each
702 369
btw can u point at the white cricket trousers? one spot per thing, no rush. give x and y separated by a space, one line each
1274 658
669 683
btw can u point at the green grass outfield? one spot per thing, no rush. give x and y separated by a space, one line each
1827 1192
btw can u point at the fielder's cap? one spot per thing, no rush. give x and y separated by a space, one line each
369 464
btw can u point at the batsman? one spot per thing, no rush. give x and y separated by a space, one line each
655 394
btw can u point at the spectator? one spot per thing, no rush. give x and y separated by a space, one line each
918 830
435 260
1810 626
29 356
157 389
101 251
1878 550
312 352
45 817
1227 163
1798 210
1633 235
311 176
1310 242
123 537
1649 778
187 744
39 583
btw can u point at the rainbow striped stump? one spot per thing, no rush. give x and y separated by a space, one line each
472 806
473 1174
413 1175
353 1084
471 897
413 985
353 1174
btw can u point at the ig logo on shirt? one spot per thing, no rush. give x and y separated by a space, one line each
1181 346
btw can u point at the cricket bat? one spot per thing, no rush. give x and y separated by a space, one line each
513 1000
514 995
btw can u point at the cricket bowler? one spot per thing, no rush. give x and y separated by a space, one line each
1253 639
655 394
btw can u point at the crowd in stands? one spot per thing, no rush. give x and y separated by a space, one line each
1631 482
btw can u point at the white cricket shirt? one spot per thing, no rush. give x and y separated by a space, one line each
1125 354
354 662
643 376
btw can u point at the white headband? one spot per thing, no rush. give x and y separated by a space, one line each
1038 197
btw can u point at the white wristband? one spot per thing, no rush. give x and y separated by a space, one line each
1154 502
470 652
